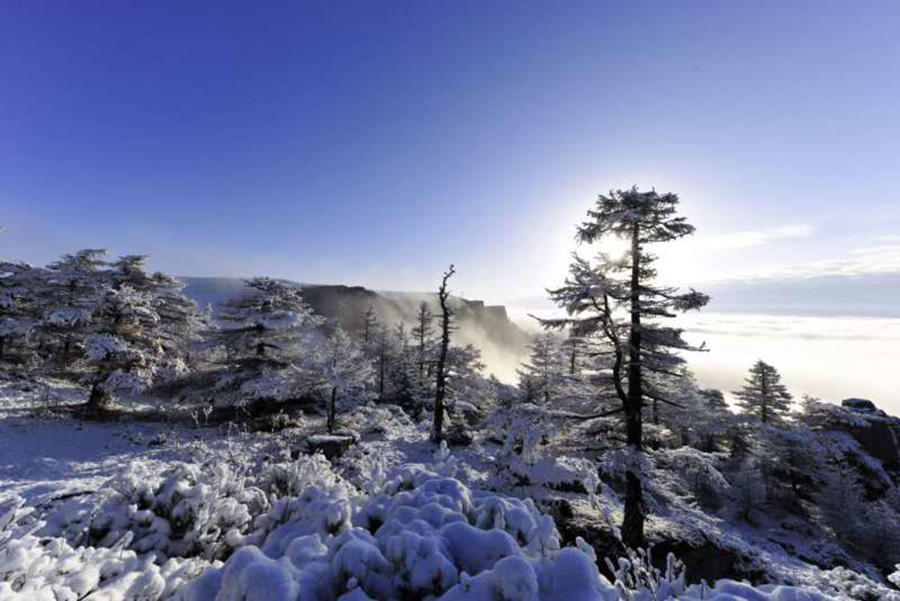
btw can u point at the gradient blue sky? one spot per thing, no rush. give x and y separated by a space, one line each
376 142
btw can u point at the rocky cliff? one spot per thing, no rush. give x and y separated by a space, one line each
488 327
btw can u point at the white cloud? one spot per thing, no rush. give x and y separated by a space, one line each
870 260
756 237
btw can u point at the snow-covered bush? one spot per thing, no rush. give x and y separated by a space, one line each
34 568
698 470
189 510
425 535
748 488
564 473
290 479
387 421
637 579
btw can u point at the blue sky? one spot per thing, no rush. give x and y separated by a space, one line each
376 142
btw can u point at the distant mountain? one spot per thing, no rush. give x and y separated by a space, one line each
502 343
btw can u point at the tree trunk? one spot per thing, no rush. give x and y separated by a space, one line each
381 366
633 522
438 426
332 410
437 430
100 400
572 359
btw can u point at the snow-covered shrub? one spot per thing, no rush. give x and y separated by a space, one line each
388 421
519 428
638 580
291 478
425 535
748 488
841 583
564 473
189 510
317 503
35 568
698 470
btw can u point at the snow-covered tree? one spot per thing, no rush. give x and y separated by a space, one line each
370 326
343 370
74 288
422 333
617 299
264 334
749 488
21 288
124 344
179 315
437 430
713 419
403 373
764 396
180 321
574 350
542 376
464 373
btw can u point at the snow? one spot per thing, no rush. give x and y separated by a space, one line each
211 516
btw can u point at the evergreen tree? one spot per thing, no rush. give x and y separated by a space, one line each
266 334
543 375
75 285
596 295
382 357
464 373
437 430
764 396
370 326
713 419
369 336
574 350
124 345
403 369
180 321
344 371
422 334
21 288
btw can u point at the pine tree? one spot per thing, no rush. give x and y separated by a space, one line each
437 430
75 286
763 395
180 321
382 357
422 333
124 344
713 418
573 347
748 488
543 375
402 373
344 370
370 326
464 373
265 335
21 288
595 296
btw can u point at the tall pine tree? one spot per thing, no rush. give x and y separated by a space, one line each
619 299
763 395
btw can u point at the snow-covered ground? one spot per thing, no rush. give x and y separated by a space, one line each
148 510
